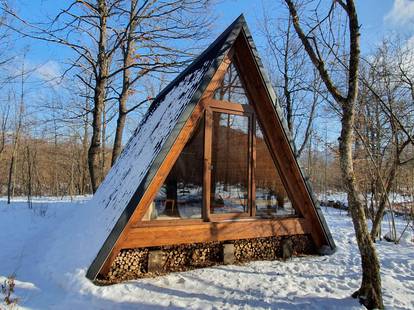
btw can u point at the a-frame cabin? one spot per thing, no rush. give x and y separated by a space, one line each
210 163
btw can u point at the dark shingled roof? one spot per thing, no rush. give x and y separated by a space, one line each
119 194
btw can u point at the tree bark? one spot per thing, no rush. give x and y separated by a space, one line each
126 84
95 146
10 181
119 132
369 293
379 214
84 155
99 99
386 189
103 147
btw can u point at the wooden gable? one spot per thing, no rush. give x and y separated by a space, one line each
134 230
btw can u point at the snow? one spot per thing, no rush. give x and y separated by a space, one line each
96 220
320 282
341 197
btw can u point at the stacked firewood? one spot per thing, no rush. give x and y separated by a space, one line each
257 249
206 255
129 264
176 258
271 248
133 263
182 257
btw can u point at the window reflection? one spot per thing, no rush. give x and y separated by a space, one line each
271 196
181 196
230 163
231 88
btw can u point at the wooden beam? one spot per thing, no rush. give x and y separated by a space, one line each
207 165
171 158
213 231
279 143
253 169
179 145
228 105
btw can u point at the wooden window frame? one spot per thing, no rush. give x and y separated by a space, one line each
235 62
275 162
232 109
169 232
210 106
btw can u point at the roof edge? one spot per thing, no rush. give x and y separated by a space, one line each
224 42
278 111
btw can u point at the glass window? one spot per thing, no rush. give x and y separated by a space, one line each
271 196
181 196
231 88
230 163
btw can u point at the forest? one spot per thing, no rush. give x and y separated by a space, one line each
76 79
62 129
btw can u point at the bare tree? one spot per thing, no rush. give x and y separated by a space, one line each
19 113
297 82
93 57
4 79
5 47
4 118
345 95
116 42
146 49
388 112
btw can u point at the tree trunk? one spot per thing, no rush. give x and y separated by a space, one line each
126 83
99 99
369 293
286 78
95 147
55 159
120 125
376 224
29 176
12 168
103 148
10 181
84 156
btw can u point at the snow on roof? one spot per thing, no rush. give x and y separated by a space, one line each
91 228
133 164
89 235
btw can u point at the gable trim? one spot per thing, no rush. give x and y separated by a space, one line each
217 54
277 111
215 58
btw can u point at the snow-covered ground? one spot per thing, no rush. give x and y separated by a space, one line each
305 282
394 198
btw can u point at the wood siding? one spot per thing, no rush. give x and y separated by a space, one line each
150 236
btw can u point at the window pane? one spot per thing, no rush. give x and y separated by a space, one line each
271 196
231 88
230 163
181 196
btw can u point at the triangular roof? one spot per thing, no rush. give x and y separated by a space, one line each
123 188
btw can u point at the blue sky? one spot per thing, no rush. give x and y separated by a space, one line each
374 16
377 17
